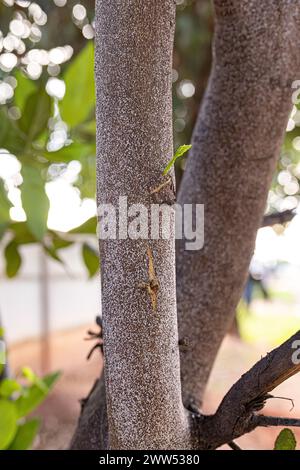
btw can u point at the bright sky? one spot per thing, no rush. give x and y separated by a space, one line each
272 247
67 210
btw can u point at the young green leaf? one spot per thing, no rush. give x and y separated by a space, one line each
8 387
34 395
25 435
179 152
8 423
286 440
33 379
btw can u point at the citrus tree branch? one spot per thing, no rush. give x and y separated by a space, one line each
237 413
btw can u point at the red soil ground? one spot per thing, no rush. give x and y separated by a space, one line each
68 352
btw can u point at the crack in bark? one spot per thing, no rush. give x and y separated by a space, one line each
152 286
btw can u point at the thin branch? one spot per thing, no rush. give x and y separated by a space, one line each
265 421
236 414
278 218
234 446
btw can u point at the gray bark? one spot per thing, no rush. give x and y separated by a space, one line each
134 42
92 431
236 143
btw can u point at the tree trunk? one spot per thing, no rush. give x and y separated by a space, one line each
134 42
236 143
91 432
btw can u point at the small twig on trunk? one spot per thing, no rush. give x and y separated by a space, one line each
278 218
96 335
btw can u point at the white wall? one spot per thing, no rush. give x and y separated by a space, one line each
73 299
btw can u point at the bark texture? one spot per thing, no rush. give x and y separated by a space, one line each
236 143
92 430
134 42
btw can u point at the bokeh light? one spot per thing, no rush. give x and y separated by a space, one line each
186 89
56 88
79 12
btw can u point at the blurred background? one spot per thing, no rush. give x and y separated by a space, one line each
49 262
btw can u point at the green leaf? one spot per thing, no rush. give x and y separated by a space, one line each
25 435
179 152
28 373
13 259
5 123
21 233
8 423
286 440
8 387
79 99
86 181
34 379
34 395
59 242
36 114
3 228
74 151
90 226
24 89
35 201
51 251
5 204
10 136
91 259
88 128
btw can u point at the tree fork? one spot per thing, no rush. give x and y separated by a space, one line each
256 60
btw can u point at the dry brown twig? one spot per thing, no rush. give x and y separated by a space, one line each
238 412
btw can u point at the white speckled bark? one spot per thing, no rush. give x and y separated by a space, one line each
134 41
236 143
235 146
